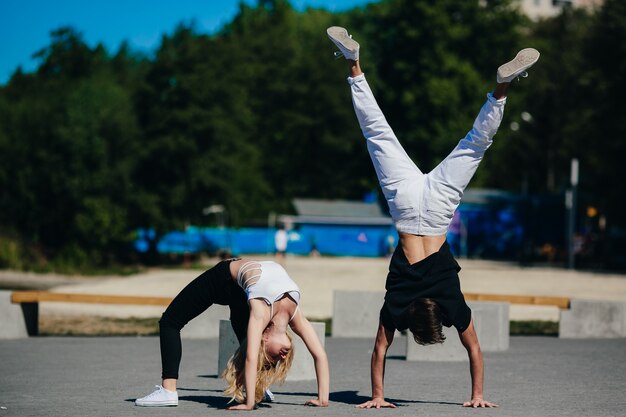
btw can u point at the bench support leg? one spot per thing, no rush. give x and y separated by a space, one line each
31 318
13 319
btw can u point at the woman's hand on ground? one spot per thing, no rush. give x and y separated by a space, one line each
240 407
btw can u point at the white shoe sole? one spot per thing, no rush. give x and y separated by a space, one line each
158 404
522 61
348 46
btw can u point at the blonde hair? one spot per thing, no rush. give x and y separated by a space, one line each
268 373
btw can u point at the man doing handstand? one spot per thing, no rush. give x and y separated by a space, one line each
423 289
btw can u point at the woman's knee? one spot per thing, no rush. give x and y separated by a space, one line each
169 321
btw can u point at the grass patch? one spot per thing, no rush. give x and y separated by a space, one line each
56 325
60 325
327 324
516 328
533 328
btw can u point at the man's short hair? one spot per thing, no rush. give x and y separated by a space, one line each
424 321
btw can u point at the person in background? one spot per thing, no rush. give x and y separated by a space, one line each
281 239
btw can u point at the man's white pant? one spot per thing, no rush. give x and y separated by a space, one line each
422 204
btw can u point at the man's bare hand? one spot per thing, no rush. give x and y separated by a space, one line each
376 403
316 403
479 403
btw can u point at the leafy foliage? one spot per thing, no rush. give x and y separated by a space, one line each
94 145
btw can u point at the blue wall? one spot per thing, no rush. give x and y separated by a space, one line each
477 230
327 240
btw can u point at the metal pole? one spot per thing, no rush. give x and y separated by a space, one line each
570 204
271 224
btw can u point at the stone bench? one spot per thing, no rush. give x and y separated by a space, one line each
16 318
302 368
593 319
491 321
355 313
20 312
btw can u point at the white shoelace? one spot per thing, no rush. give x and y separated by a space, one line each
339 54
155 392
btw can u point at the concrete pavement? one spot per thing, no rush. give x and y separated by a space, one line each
537 376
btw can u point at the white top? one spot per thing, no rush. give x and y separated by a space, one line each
267 281
280 240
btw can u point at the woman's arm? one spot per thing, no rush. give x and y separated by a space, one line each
259 318
470 342
301 326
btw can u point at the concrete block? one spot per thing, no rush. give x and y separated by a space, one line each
355 313
491 321
593 319
451 350
14 324
302 368
207 324
228 344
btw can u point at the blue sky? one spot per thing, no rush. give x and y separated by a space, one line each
25 25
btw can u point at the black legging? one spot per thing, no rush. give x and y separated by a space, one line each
214 286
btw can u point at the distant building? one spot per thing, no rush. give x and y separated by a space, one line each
489 224
343 212
339 228
540 9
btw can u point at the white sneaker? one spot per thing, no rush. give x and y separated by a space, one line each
517 66
160 397
268 397
348 47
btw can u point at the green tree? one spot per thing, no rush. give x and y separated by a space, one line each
71 134
601 129
198 143
305 127
94 145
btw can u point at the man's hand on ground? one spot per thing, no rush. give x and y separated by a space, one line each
376 403
479 403
316 403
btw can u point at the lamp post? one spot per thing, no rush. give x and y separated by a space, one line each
220 214
221 220
570 206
